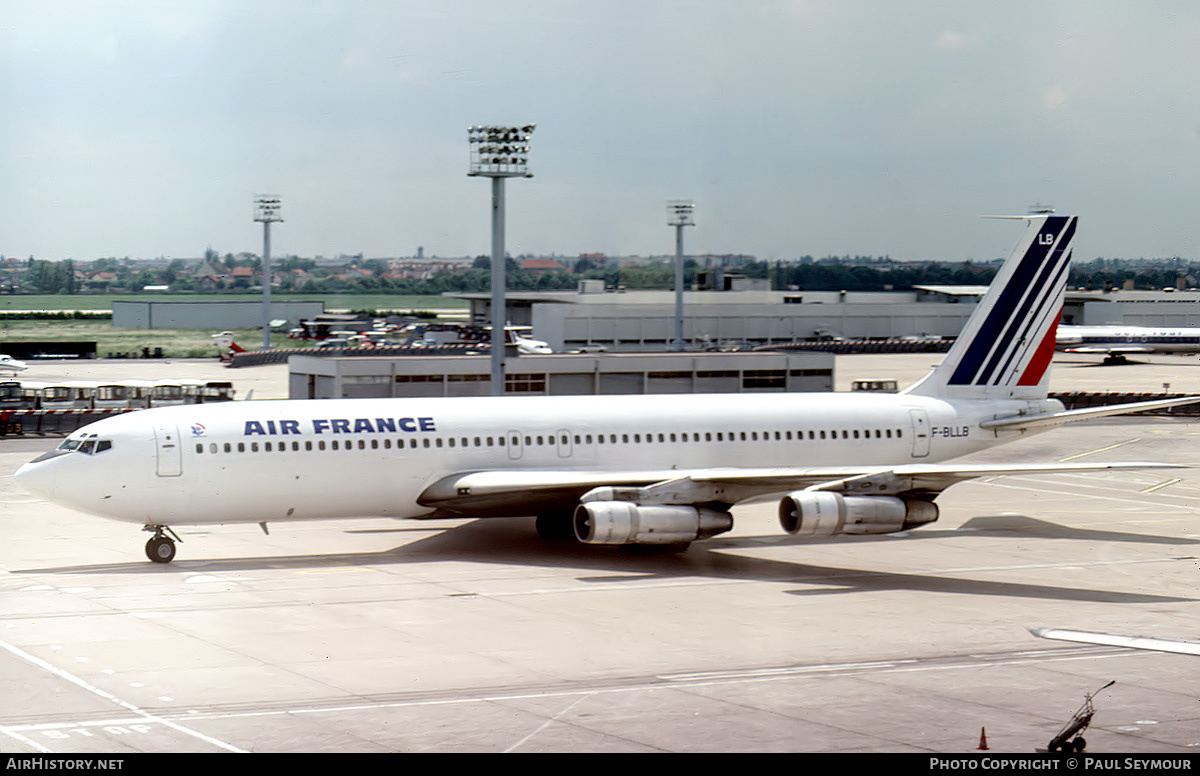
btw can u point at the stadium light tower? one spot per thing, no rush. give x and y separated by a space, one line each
679 215
498 153
266 211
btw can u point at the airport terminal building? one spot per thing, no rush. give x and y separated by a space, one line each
644 321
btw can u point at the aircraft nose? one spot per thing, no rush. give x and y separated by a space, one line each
37 479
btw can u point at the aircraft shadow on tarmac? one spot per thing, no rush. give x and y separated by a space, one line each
1127 361
1023 527
512 541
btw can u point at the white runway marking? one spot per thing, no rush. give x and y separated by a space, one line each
685 680
548 722
22 654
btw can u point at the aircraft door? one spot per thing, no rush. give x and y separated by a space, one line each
564 443
168 449
514 445
920 429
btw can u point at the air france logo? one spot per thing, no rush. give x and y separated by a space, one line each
198 429
336 426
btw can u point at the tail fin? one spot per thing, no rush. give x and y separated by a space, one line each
1005 349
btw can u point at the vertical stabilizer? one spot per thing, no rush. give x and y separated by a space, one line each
1005 349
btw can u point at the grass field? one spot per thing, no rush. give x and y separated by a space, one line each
179 343
103 302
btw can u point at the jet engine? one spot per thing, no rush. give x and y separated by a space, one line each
623 522
823 513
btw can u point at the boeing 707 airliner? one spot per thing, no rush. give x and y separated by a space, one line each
1117 342
659 470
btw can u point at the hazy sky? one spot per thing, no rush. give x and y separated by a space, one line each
144 128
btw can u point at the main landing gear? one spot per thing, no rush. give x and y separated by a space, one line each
161 548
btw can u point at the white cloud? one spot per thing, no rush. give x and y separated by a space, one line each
951 41
1055 98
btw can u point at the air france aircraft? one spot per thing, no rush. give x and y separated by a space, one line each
621 470
1116 342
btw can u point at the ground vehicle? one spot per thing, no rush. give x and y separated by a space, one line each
109 395
11 396
878 385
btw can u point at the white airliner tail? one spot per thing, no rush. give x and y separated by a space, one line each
1005 349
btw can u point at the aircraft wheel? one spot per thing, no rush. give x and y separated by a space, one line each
1080 743
160 549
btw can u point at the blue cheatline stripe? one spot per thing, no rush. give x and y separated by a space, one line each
1035 319
1044 292
989 333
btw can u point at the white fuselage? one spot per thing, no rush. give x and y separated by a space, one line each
268 461
1128 338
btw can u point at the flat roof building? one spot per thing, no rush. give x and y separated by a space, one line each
313 377
208 314
643 321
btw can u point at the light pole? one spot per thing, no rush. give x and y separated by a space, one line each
266 210
679 215
498 153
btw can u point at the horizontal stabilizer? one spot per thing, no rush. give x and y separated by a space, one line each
1068 416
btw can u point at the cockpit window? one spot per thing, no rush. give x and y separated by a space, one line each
88 444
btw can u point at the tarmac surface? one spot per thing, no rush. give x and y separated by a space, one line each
377 635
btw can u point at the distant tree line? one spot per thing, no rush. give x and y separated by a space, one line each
823 276
51 277
859 273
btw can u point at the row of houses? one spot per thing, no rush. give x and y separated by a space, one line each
212 275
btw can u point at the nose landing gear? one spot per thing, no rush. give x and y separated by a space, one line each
161 548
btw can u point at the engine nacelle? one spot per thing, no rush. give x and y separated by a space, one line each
824 513
623 522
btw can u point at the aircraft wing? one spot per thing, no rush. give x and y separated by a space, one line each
498 493
1181 646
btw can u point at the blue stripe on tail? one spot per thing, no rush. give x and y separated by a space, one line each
1026 288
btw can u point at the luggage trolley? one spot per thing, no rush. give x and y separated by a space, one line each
1077 724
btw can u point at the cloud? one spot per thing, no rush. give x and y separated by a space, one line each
951 41
1055 98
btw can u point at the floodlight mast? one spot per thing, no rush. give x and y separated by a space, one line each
266 211
679 215
499 152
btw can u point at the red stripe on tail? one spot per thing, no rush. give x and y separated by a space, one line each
1042 357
